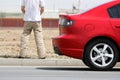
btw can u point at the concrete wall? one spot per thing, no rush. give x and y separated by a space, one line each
18 22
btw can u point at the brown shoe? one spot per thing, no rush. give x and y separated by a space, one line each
21 57
43 58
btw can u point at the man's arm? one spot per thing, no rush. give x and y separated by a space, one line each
41 10
23 9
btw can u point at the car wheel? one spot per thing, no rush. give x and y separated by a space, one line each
101 54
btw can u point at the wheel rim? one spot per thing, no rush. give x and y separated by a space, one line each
101 55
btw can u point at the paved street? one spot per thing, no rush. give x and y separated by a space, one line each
56 73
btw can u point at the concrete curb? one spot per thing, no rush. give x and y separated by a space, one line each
40 62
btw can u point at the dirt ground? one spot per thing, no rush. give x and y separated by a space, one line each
10 39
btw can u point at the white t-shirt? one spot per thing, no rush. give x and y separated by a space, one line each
32 9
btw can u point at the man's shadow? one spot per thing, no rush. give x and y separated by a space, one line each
75 69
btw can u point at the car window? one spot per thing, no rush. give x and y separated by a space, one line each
114 12
119 10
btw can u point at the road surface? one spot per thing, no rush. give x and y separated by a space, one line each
56 73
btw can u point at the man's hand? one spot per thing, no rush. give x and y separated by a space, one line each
23 9
41 10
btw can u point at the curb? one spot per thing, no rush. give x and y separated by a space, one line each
40 62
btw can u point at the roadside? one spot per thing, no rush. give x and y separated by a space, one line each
43 62
40 62
10 47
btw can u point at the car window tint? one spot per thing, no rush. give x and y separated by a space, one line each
118 7
114 11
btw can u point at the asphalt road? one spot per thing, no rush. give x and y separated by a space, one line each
56 73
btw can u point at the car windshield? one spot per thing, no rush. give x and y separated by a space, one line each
86 5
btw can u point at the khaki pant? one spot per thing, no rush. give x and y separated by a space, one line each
36 27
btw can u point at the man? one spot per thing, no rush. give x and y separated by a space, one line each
32 10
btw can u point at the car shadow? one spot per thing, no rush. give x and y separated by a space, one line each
76 69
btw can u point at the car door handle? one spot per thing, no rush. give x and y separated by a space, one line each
117 26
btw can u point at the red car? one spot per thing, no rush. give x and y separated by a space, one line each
93 36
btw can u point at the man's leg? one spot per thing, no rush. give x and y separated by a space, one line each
39 40
25 38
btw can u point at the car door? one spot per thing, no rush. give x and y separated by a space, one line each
114 13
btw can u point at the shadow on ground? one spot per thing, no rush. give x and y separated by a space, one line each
75 69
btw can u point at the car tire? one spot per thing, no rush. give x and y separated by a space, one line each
101 54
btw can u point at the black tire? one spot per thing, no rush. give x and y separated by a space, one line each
101 54
85 61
